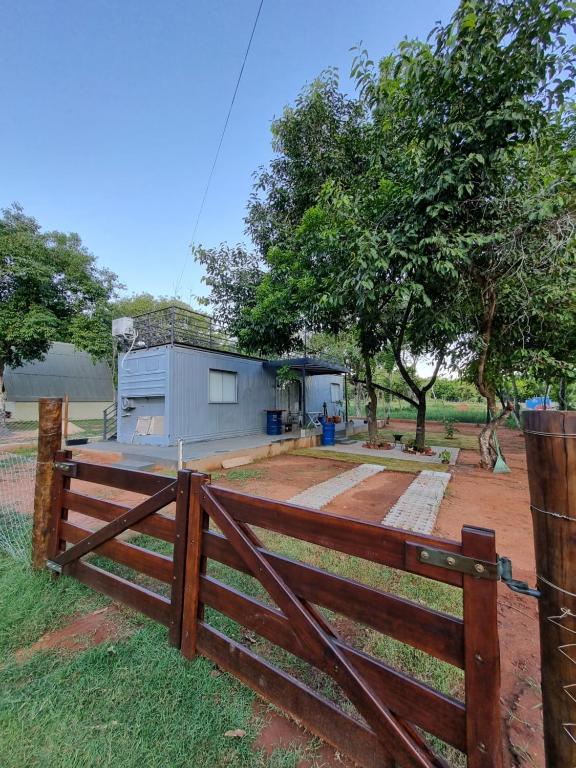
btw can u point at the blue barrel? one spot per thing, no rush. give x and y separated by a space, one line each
328 433
273 422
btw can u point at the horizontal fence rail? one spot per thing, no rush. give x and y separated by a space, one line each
202 523
71 541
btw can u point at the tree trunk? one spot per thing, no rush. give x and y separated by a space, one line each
2 399
421 423
372 407
358 400
516 398
562 399
486 437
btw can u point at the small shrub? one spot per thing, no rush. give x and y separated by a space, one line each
448 426
445 456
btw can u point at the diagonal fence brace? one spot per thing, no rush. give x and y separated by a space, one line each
397 739
117 526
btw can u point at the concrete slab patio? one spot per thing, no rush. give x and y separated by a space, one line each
140 456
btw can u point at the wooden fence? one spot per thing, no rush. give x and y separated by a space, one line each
211 523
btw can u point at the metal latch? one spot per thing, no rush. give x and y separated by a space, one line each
68 467
514 584
52 566
480 569
470 566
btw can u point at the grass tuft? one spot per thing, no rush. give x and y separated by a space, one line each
396 465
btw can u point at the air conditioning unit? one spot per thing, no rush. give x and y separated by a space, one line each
123 327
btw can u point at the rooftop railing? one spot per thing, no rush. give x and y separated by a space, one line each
175 325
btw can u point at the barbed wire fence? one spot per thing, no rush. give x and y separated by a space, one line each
18 447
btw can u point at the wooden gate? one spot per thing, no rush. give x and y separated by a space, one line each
395 711
144 517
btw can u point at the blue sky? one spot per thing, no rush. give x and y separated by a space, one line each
112 111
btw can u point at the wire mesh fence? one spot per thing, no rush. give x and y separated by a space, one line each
18 447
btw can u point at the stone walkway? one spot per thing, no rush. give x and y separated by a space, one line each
417 509
319 495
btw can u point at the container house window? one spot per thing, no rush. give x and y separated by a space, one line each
335 393
223 387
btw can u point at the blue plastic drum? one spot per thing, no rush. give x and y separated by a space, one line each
273 422
328 433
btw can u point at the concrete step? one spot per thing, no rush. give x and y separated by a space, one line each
136 461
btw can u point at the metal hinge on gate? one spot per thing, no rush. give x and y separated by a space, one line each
501 570
68 467
52 566
514 584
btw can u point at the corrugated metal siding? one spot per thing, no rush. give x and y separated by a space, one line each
143 378
64 370
174 382
318 393
193 417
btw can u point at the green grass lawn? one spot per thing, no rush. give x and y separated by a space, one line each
137 703
474 413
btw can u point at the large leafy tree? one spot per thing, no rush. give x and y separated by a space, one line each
50 289
470 106
403 227
142 303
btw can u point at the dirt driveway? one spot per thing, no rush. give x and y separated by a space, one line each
501 502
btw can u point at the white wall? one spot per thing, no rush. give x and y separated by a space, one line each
29 411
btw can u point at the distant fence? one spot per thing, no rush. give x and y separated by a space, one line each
17 472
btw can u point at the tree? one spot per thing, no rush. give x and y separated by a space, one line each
141 304
312 217
468 103
397 215
50 289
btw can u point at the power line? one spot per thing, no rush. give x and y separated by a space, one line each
211 174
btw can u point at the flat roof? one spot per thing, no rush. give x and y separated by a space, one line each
314 366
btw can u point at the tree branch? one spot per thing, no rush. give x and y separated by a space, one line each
434 374
389 391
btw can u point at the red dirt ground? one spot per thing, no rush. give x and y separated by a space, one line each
278 732
81 633
373 498
501 502
474 497
285 475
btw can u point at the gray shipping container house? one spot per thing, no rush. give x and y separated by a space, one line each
183 380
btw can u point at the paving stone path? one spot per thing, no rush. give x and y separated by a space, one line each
417 509
319 495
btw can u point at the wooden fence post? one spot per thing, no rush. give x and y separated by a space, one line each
179 556
49 442
481 656
551 455
195 566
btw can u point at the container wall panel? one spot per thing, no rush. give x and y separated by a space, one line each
143 392
318 392
193 417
